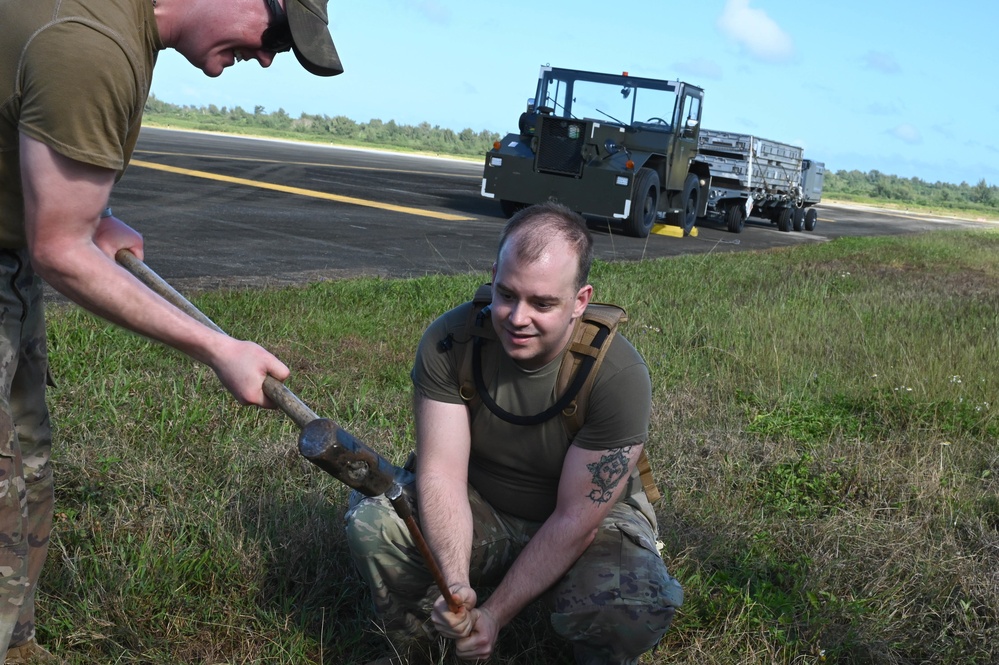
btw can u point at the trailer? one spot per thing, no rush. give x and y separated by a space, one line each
753 176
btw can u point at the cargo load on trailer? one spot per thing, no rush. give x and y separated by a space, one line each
753 176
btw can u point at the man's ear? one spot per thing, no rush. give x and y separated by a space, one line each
494 271
583 297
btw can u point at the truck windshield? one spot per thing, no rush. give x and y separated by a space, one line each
621 99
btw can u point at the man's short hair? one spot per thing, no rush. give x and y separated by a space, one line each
536 225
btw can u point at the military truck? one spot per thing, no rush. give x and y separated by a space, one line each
749 175
614 146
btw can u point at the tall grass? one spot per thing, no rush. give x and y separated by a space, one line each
825 435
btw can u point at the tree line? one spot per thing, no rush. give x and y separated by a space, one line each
313 127
872 186
876 186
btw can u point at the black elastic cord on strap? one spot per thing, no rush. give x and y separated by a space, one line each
570 392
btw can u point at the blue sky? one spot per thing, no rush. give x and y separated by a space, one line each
903 87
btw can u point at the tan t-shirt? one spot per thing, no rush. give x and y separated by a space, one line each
75 75
517 468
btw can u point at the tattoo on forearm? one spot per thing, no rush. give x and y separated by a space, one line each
608 472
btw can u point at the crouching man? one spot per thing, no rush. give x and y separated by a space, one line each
512 494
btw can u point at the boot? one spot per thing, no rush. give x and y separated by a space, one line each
30 653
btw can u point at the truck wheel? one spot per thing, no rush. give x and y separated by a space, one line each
811 219
510 208
644 204
784 219
688 201
735 218
798 218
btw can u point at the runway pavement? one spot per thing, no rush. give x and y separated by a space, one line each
223 210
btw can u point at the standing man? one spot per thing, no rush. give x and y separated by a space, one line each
74 77
514 501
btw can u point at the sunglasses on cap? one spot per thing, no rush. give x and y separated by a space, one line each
277 36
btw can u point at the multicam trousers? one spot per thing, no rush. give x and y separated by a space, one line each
614 604
26 496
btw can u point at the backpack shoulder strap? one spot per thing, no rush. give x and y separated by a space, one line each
483 294
598 317
478 324
591 338
648 480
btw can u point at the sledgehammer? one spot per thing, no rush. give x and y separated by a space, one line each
322 441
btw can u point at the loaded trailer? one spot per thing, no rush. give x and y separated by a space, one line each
631 150
753 176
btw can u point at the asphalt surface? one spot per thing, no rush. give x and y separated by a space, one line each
228 211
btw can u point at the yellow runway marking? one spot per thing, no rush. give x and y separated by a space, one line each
301 192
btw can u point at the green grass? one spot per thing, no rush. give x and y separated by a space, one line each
824 433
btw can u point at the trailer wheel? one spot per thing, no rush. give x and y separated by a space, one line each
784 219
510 208
811 219
798 219
688 201
735 218
644 204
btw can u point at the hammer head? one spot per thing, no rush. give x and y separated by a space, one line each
339 454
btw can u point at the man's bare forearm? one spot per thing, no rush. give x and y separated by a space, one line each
545 560
96 283
592 482
447 525
443 443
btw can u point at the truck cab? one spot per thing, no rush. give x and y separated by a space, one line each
615 146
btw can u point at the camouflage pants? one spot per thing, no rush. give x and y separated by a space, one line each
26 496
614 604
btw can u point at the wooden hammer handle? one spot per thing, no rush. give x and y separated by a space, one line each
279 393
401 505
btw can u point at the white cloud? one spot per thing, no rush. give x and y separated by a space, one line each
908 133
700 68
756 32
882 62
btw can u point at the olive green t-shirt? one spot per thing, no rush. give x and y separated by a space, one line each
74 75
517 468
